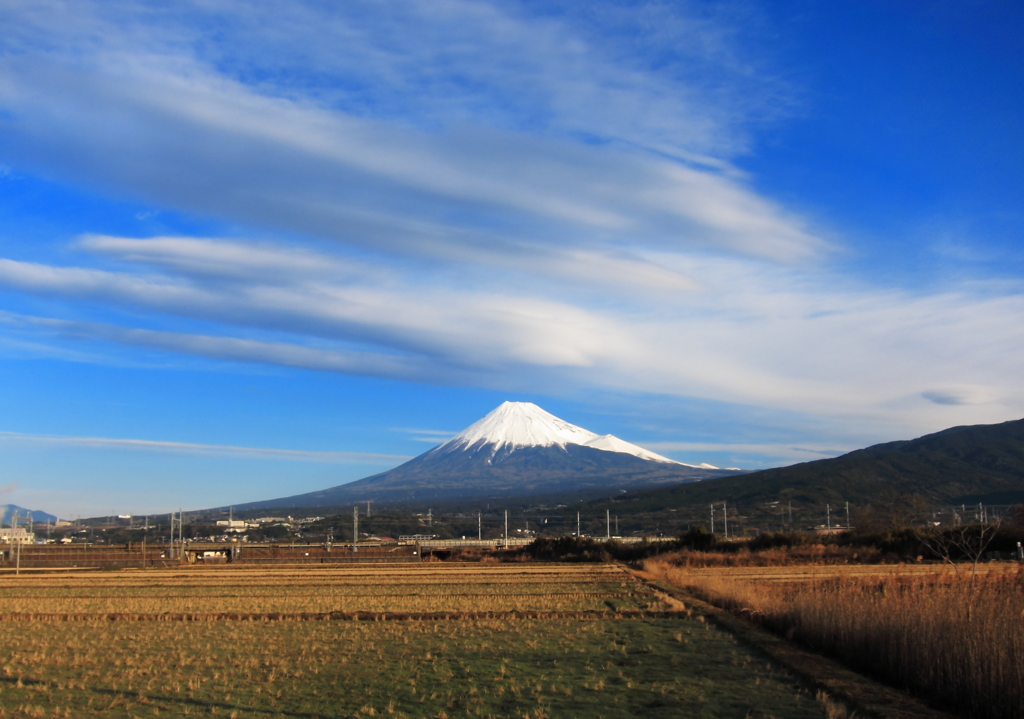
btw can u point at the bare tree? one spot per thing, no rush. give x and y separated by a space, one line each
967 540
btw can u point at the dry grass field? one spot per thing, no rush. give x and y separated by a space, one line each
528 641
404 589
952 637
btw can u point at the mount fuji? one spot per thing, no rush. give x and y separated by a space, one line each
517 449
522 425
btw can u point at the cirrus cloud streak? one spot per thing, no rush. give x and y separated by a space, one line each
205 449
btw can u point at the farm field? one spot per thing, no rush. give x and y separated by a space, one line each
394 590
426 641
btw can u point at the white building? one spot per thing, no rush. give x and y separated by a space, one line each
234 525
19 536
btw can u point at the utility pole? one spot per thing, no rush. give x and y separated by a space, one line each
608 523
14 539
368 507
725 513
577 525
506 529
828 517
791 515
712 518
355 528
430 517
616 525
847 516
479 526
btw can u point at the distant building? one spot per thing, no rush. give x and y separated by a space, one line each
412 538
17 536
234 525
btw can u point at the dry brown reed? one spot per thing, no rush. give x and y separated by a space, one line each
807 554
955 641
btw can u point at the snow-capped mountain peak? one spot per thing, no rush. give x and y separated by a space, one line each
518 424
517 450
523 424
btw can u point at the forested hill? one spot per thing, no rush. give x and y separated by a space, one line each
980 463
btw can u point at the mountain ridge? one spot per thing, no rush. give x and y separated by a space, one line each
959 465
38 515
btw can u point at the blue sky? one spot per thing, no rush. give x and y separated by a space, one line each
250 249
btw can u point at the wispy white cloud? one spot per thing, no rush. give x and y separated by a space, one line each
206 449
782 453
431 436
232 349
470 194
795 340
454 327
676 76
193 136
225 259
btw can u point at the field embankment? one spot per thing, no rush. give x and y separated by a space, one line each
955 638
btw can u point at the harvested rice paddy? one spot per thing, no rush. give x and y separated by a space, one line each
429 640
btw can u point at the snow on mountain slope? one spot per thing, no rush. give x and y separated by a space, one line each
611 443
518 424
524 424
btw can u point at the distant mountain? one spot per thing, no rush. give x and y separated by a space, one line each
7 511
519 425
961 465
517 449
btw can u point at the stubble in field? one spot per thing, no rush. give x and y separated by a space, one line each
615 649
